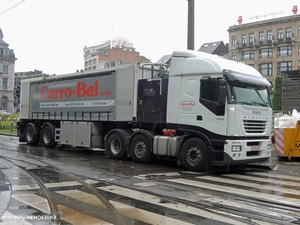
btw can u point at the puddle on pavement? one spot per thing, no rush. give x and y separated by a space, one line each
50 176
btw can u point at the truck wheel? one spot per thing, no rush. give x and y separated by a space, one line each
193 155
117 143
31 135
141 148
47 137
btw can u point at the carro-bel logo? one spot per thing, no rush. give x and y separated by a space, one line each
66 91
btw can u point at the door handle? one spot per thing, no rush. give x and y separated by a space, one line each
199 117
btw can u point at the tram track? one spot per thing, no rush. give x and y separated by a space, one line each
235 213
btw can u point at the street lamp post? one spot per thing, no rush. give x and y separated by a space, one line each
191 25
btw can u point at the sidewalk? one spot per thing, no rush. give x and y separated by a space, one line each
5 191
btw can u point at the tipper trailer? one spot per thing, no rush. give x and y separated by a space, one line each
202 110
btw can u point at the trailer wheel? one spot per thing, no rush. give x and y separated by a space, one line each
31 135
141 147
47 137
117 143
193 155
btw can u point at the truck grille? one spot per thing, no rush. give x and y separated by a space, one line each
254 126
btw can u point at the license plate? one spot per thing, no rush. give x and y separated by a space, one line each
254 148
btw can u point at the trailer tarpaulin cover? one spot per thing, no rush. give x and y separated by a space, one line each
74 95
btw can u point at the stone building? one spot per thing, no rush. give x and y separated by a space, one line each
7 70
271 46
109 54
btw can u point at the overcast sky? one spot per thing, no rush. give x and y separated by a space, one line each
50 35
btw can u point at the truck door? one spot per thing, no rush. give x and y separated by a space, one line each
188 99
211 107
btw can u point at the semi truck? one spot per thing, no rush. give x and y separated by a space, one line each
200 110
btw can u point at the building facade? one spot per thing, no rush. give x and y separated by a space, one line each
109 54
270 46
17 85
7 69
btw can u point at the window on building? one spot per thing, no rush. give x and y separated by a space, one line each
298 65
233 40
261 37
244 39
4 103
298 49
5 69
5 83
289 33
269 36
246 55
94 61
283 66
284 51
280 35
265 69
266 53
251 39
299 31
233 55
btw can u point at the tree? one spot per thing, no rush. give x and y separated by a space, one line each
276 102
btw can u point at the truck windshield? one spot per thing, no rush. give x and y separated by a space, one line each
244 94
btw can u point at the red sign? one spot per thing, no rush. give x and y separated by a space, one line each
240 20
82 90
295 9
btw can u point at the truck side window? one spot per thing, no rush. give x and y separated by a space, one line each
208 89
209 96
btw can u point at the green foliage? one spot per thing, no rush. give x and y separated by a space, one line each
8 123
276 102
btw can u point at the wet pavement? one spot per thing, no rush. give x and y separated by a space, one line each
158 193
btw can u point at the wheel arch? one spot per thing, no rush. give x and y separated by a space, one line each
202 136
199 135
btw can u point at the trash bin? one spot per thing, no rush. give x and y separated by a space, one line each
287 141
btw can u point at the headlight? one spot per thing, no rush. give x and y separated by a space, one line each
236 148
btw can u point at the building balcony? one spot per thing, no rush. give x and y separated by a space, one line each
288 40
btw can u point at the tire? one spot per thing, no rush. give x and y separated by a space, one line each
141 148
193 155
47 137
31 135
117 144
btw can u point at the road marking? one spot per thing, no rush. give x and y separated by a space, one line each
266 187
175 206
145 184
34 201
280 177
78 218
66 214
127 210
248 207
146 176
260 179
51 185
238 191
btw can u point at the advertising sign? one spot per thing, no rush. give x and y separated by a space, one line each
85 94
